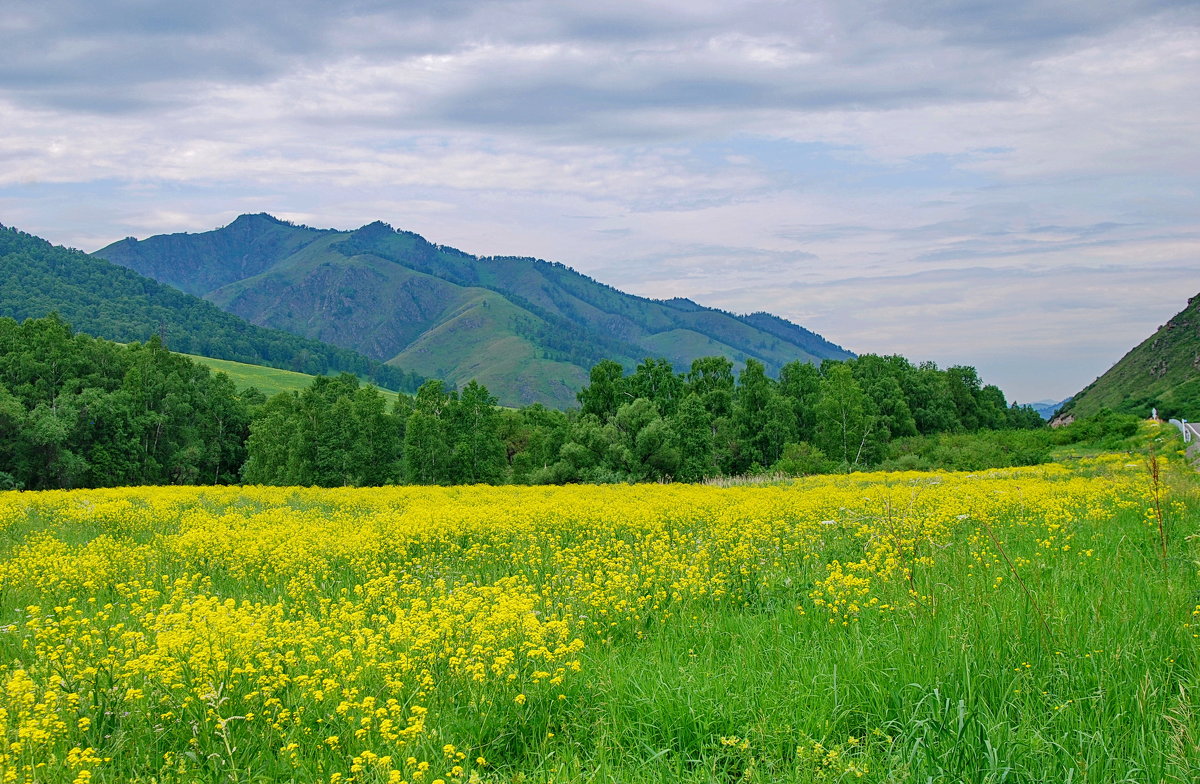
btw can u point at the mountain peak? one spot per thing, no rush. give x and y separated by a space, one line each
681 303
373 230
253 219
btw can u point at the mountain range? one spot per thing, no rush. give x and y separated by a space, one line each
527 329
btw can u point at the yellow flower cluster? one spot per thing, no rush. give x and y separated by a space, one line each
312 629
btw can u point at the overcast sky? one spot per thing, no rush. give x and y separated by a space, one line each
1005 183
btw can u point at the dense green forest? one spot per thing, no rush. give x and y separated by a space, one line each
100 298
78 411
81 411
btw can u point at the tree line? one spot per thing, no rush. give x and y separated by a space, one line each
81 411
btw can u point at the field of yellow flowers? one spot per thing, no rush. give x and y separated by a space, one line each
1016 625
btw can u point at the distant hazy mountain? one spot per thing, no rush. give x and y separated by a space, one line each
1046 408
1161 372
527 329
103 299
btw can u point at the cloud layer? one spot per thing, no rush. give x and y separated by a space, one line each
1010 184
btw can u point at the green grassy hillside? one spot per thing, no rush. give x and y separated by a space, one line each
528 329
1161 372
268 380
482 339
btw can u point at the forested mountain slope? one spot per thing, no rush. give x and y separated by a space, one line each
110 301
1161 372
527 329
